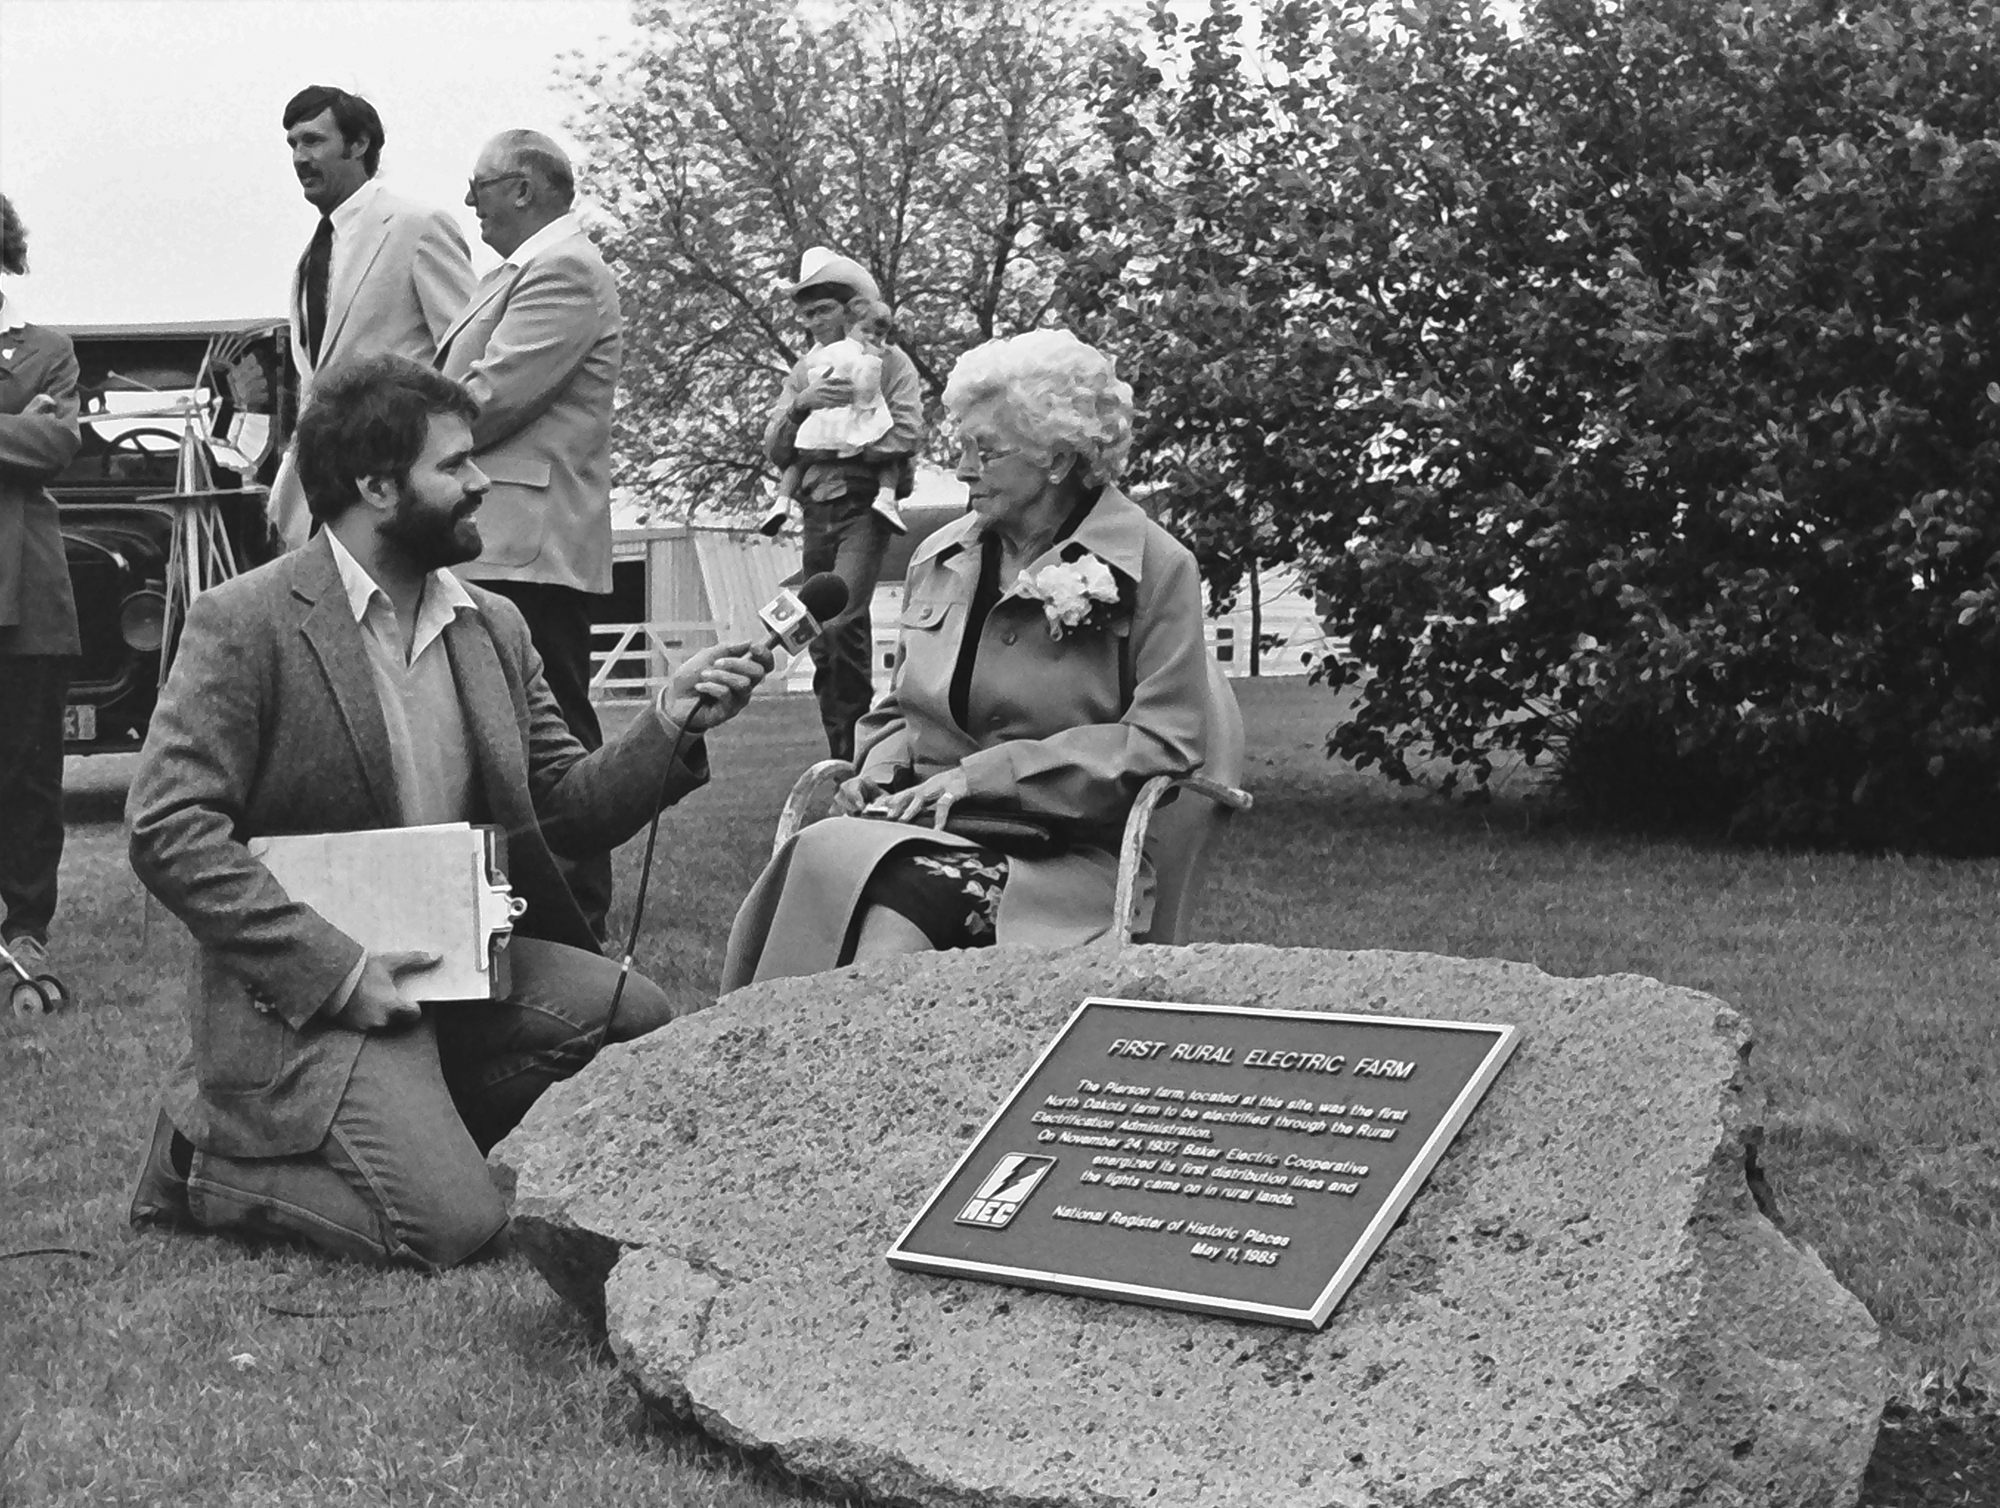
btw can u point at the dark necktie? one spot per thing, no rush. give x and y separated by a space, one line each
319 262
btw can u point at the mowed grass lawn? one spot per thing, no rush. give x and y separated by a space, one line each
149 1369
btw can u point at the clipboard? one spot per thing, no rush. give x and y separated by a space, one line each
441 889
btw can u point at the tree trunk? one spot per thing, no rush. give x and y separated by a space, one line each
1256 618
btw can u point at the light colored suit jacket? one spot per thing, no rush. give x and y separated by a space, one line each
270 723
1067 728
540 347
398 278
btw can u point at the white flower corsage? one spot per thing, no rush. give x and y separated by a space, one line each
1074 593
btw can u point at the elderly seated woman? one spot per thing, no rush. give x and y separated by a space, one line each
1051 660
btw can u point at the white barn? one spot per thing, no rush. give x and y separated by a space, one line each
685 586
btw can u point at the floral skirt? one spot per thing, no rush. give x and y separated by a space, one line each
952 895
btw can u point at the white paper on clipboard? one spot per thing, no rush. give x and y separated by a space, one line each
439 889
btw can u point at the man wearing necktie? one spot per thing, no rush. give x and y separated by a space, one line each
380 276
539 348
318 268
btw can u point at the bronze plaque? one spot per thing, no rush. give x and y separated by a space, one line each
1233 1161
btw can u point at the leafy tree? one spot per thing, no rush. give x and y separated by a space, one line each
1263 258
908 134
1630 384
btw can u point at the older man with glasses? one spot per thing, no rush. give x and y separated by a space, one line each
539 348
843 532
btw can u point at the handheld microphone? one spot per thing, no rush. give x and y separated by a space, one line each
791 620
794 619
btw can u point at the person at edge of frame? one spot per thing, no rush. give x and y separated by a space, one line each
39 645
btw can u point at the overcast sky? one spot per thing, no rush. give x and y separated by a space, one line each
141 140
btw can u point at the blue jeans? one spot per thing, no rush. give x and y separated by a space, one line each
846 536
402 1174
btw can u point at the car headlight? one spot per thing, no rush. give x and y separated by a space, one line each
142 619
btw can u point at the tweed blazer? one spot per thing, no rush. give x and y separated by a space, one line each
540 347
37 610
270 723
398 279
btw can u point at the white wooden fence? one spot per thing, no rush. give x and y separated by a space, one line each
630 662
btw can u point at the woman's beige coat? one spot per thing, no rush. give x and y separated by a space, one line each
1069 727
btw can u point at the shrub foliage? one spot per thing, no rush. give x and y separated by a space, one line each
1630 382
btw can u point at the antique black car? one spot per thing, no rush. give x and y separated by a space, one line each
183 427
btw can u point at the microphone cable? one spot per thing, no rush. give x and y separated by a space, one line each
821 597
645 879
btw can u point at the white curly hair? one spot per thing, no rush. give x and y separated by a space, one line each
1048 391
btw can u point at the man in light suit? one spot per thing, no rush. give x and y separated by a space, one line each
380 274
357 684
539 347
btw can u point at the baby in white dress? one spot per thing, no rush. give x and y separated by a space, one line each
864 419
858 358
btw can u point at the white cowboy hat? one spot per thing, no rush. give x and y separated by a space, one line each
822 264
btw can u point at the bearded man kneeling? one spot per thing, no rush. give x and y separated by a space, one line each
357 684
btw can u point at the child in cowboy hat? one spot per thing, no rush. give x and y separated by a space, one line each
845 431
826 277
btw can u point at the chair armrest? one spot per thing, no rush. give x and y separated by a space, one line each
1139 821
811 794
1234 797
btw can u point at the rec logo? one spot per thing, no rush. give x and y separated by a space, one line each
791 626
1000 1195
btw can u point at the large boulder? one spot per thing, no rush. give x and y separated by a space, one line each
1584 1307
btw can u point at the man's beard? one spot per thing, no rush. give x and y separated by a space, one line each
430 539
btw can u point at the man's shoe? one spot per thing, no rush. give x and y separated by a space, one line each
161 1197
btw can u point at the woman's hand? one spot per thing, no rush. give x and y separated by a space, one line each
853 794
939 792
